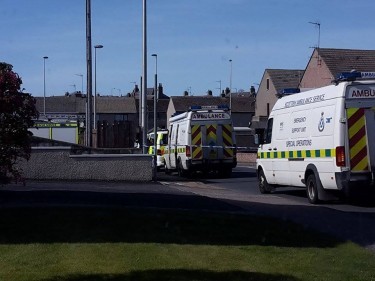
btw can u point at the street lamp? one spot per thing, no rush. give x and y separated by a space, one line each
230 87
81 80
96 47
155 115
44 86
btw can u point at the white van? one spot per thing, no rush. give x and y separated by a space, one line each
201 139
323 139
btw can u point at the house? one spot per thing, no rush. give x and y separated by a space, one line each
272 83
326 63
110 109
324 66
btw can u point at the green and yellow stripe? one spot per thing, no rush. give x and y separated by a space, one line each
316 153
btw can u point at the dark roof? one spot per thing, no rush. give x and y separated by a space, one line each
239 103
161 105
243 104
343 60
285 78
115 104
182 103
61 104
73 104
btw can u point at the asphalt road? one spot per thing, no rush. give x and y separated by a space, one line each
353 221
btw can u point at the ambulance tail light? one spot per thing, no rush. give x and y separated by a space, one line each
340 156
159 152
188 152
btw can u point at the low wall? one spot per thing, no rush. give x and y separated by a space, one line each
249 157
57 163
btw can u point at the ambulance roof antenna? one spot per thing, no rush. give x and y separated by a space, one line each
318 25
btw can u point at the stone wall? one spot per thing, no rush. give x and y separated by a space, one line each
57 163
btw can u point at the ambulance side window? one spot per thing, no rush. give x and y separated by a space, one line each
164 139
268 133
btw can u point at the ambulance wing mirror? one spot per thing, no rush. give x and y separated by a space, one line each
259 137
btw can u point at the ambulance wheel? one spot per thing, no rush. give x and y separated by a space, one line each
225 173
312 189
180 169
166 170
264 186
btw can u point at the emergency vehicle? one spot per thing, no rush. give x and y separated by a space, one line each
322 139
161 141
201 139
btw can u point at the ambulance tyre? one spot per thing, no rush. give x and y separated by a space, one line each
166 170
180 169
312 189
264 186
225 173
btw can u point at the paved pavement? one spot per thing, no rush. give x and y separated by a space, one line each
358 227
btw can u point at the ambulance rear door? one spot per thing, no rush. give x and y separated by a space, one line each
360 111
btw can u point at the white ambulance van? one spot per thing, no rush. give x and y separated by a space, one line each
322 139
201 139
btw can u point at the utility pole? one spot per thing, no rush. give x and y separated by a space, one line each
89 75
144 81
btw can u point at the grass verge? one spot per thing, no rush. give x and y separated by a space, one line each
71 244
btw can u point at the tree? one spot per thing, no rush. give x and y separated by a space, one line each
17 111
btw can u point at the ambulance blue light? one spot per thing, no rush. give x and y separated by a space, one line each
195 107
349 76
289 91
223 106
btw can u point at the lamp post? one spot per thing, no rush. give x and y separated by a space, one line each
44 85
144 80
155 114
95 94
230 87
81 75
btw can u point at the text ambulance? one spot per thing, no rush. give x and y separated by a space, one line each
323 139
201 139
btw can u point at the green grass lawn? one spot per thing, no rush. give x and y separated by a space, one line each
73 244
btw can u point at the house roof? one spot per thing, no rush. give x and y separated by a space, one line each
161 105
343 60
239 103
285 78
61 104
74 104
107 104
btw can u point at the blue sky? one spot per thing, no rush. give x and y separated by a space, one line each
194 40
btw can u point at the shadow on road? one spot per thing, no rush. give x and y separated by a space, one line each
177 275
71 217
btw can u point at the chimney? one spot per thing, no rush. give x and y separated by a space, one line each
186 93
160 90
209 93
252 91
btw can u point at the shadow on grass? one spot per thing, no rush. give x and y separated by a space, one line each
112 225
177 275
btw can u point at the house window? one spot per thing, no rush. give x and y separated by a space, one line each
268 83
121 117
